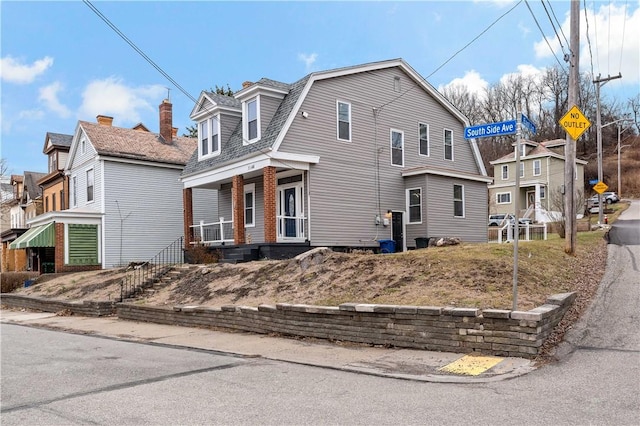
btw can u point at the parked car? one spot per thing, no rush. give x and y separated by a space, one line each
607 197
501 219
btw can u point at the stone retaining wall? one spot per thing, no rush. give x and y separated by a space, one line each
85 308
490 331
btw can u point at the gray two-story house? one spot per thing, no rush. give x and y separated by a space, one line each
340 158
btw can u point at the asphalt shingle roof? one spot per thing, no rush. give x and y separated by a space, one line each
129 143
59 139
31 183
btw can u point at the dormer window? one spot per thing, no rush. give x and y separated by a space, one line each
209 137
53 163
523 150
252 122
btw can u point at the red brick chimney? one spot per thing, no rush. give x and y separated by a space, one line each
246 84
166 120
104 120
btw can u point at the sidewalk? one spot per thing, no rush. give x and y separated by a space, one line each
395 363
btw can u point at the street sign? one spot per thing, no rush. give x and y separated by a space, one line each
575 123
491 129
528 124
593 181
600 187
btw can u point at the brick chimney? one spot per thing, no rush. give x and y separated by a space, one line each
166 120
246 84
104 120
174 132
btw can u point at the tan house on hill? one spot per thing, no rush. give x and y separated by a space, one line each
541 181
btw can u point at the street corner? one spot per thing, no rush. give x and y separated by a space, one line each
478 366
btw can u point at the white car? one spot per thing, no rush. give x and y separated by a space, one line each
501 219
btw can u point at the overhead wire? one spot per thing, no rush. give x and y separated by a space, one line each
554 28
543 35
586 18
624 22
454 55
558 22
163 72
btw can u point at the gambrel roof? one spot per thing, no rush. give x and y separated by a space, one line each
294 95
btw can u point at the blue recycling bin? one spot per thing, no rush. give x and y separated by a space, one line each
387 246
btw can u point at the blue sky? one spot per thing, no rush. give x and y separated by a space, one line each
61 63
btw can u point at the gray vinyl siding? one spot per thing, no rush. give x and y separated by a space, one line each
205 205
343 190
79 167
150 202
441 221
228 124
268 108
257 231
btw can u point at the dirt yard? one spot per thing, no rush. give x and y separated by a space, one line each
467 275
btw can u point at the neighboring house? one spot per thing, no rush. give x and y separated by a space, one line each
25 205
541 181
340 158
55 187
124 196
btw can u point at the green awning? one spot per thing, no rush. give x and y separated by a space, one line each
39 236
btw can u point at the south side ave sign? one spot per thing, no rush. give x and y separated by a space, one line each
498 129
575 123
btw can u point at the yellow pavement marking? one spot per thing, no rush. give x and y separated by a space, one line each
471 365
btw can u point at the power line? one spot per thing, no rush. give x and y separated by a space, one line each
452 56
543 35
586 18
557 22
624 22
554 27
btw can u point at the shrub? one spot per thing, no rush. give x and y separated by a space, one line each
201 254
13 280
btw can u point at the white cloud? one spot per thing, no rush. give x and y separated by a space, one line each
472 81
308 60
13 71
49 96
526 71
31 114
111 96
614 34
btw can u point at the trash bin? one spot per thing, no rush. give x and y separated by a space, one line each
422 242
387 246
28 283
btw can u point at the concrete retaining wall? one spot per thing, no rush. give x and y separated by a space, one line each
492 331
85 308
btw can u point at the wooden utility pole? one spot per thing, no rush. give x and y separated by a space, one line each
571 226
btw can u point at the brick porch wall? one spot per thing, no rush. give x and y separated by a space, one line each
269 182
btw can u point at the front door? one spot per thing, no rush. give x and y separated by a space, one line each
290 215
289 201
397 230
531 198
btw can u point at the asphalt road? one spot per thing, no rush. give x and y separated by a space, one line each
54 378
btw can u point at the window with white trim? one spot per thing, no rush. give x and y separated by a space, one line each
503 198
448 144
505 172
543 192
521 170
89 185
252 122
537 167
209 137
397 147
423 139
414 205
249 205
83 146
343 114
458 200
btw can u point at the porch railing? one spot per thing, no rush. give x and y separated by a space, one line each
293 227
527 232
145 274
212 233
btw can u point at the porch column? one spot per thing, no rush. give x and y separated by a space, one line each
187 212
237 192
537 205
59 248
269 183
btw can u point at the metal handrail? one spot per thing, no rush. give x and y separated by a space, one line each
149 272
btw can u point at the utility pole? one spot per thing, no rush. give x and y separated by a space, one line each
571 226
600 82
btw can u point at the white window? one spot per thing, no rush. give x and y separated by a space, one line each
414 205
523 150
448 144
343 114
543 192
74 191
89 185
521 170
505 172
209 137
423 139
458 200
397 148
252 121
503 198
250 205
536 168
83 146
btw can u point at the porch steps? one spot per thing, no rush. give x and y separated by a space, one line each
162 279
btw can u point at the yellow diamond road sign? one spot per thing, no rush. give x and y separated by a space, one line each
575 123
600 187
